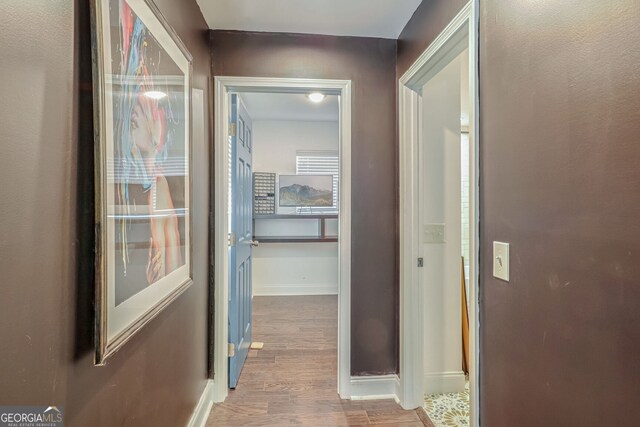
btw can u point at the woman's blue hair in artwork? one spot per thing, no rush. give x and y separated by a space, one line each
131 88
136 80
133 82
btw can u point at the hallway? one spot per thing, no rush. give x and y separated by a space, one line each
292 380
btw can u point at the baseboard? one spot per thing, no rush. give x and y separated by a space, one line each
444 382
397 390
203 408
374 387
306 289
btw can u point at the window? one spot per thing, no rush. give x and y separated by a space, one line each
320 163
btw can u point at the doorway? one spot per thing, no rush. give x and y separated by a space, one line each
438 116
229 92
283 248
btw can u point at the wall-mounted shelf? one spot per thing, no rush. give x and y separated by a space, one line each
296 239
321 237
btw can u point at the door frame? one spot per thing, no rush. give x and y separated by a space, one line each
462 30
223 86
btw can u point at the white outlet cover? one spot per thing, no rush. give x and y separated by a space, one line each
501 261
434 233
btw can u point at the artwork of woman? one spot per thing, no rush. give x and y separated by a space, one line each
147 138
148 128
142 111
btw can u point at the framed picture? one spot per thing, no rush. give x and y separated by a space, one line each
306 191
142 108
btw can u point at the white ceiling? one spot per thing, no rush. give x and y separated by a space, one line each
364 18
290 106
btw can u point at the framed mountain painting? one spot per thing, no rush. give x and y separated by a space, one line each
142 109
306 190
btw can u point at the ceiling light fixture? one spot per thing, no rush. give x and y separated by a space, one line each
316 97
155 94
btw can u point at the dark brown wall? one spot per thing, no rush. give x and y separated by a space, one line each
429 19
370 65
46 293
560 119
560 181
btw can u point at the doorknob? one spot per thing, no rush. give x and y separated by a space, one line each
254 243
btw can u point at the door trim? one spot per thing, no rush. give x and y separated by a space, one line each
463 29
222 87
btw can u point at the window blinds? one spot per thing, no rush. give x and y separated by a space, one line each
320 163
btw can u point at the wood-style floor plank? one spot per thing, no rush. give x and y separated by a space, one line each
292 381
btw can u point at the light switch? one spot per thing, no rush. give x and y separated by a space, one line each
501 260
434 233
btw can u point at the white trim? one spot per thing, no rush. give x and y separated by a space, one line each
435 56
293 290
444 382
461 31
411 292
374 387
474 212
397 389
221 204
222 87
203 408
344 245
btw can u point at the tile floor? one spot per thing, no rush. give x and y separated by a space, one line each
449 409
292 381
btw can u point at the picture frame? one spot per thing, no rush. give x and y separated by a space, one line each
143 175
305 191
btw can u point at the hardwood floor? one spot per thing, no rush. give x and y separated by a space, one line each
292 381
